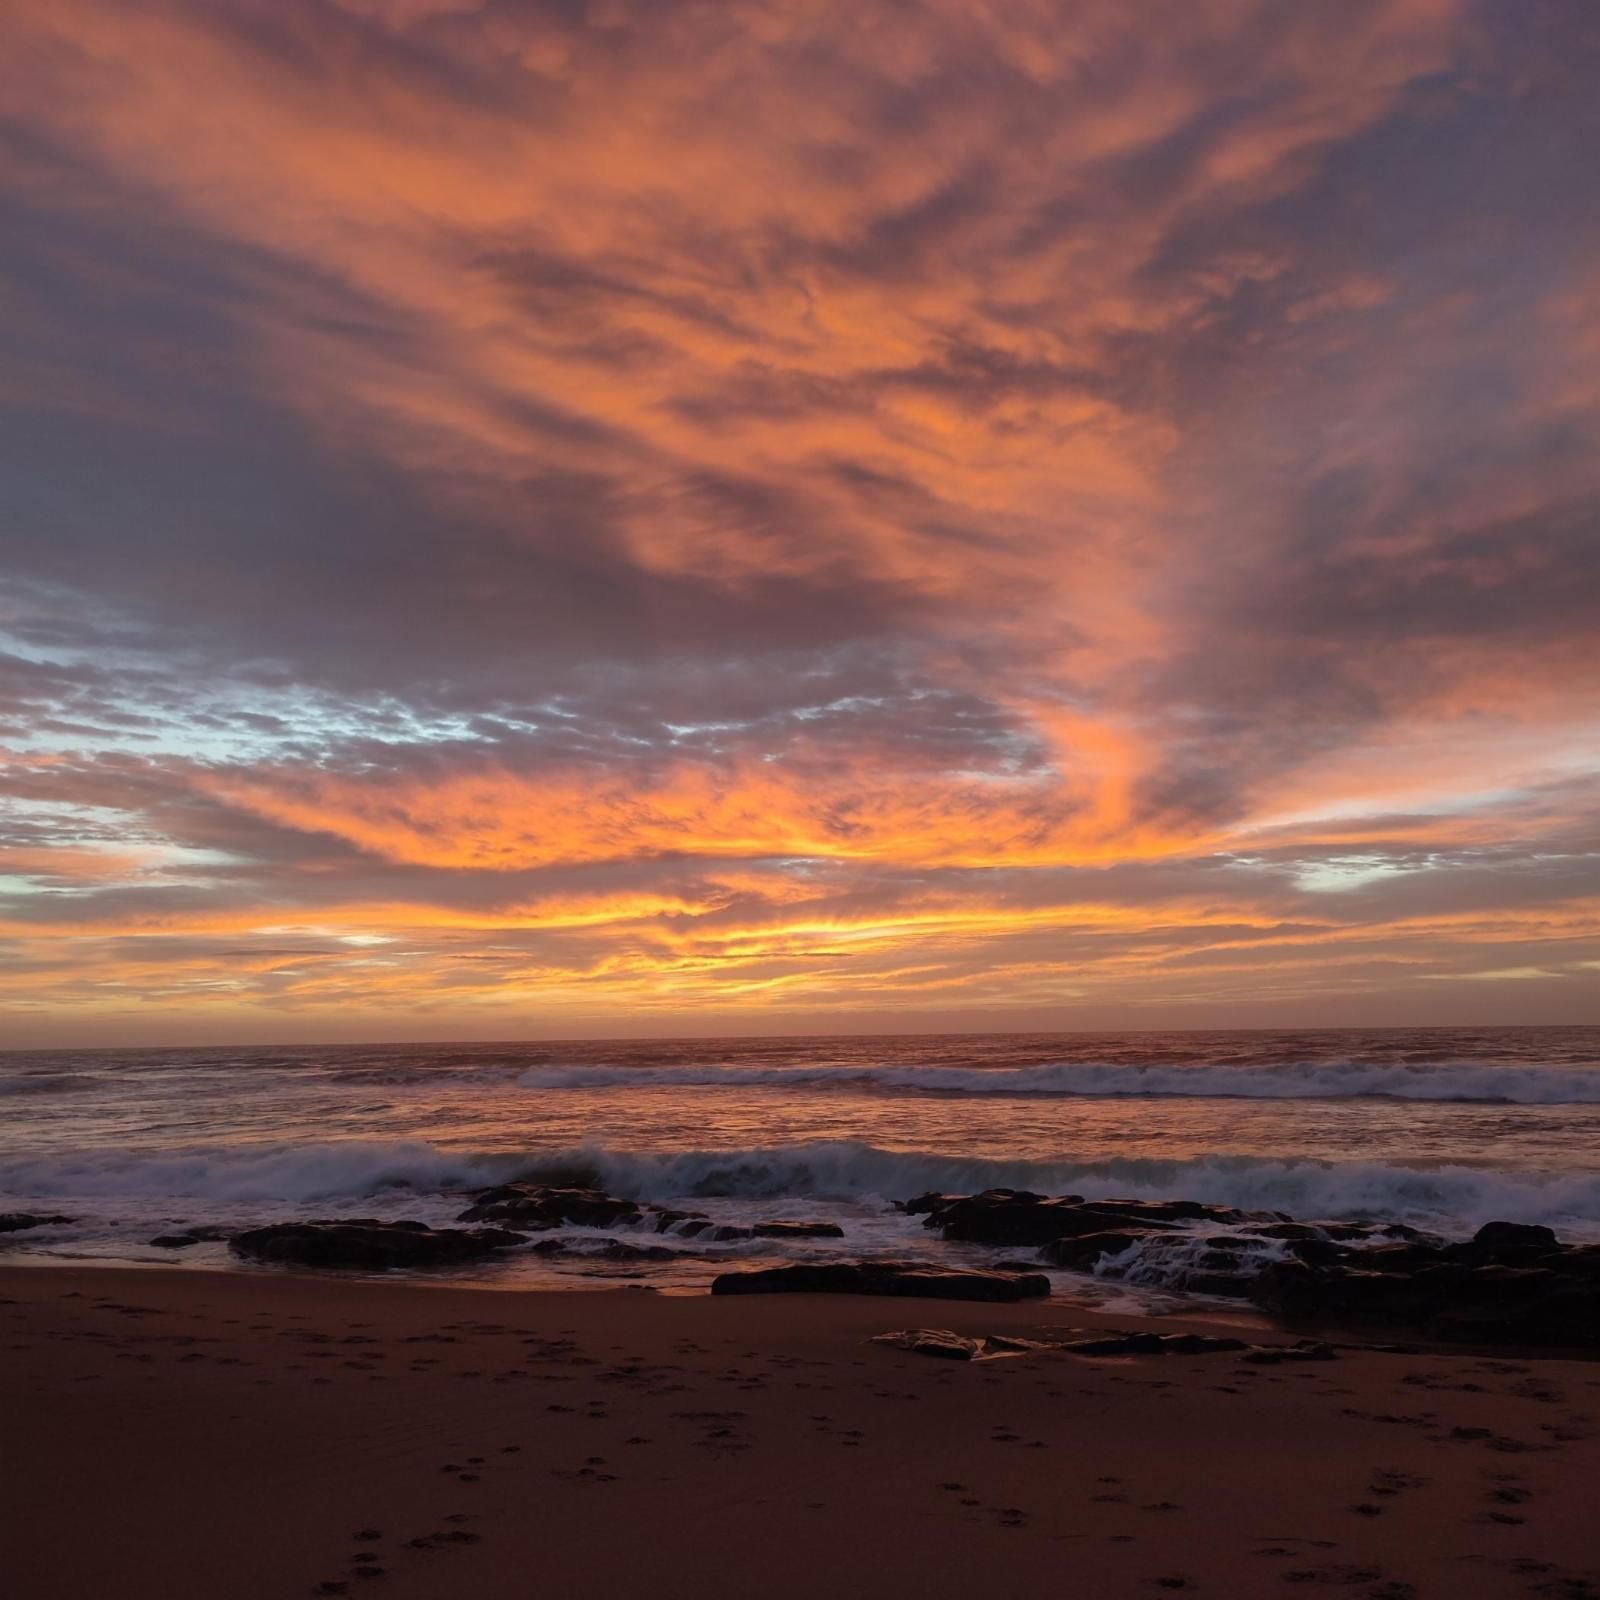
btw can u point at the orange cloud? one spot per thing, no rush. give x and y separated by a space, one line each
770 504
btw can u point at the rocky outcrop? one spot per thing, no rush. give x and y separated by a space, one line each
542 1205
17 1221
901 1278
1020 1217
365 1244
1511 1283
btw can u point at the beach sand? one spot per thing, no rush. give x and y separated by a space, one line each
232 1436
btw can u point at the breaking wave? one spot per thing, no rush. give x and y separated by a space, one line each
1447 1197
1464 1081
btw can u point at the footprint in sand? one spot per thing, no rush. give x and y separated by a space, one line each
1343 1576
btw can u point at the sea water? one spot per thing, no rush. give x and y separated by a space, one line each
1441 1128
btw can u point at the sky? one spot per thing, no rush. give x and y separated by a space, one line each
620 517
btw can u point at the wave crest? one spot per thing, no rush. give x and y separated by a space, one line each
1461 1081
1448 1197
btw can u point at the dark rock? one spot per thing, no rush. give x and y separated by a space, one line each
369 1245
1288 1230
1493 1238
610 1250
1140 1343
1117 1344
1401 1256
1577 1261
1201 1344
912 1278
666 1218
798 1230
1317 1251
1020 1217
931 1342
1448 1291
1273 1355
16 1221
541 1205
621 1250
1219 1285
1349 1231
1078 1253
1010 1344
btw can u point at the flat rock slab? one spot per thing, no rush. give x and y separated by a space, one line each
365 1244
907 1278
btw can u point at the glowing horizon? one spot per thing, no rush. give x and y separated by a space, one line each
606 519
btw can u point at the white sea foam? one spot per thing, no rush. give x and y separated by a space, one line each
1463 1081
1455 1198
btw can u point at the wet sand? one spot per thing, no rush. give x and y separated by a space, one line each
241 1435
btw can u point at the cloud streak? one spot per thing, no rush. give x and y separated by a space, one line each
546 516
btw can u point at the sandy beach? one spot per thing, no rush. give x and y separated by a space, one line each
274 1435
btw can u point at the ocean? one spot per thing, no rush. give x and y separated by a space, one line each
1441 1128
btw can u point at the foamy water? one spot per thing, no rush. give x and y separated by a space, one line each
1446 1129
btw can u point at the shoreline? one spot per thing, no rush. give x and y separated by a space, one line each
179 1432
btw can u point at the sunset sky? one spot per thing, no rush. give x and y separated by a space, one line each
563 517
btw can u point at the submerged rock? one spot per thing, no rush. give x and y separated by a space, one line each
910 1278
17 1221
365 1244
